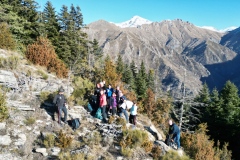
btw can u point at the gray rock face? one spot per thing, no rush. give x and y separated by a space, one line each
171 48
21 140
8 79
5 140
42 150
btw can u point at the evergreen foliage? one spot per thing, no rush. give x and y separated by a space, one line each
119 65
127 77
6 39
150 80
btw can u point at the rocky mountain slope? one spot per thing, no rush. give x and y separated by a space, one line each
31 131
171 48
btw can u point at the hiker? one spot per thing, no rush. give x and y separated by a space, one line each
133 114
118 95
92 100
109 92
124 107
174 133
103 104
60 101
113 104
97 94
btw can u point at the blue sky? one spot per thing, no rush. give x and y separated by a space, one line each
217 13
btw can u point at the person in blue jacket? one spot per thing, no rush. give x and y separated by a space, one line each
175 132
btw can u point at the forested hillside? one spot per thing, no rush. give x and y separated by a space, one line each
57 41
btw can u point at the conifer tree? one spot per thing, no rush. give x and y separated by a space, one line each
119 65
96 50
127 77
150 80
203 95
133 68
51 24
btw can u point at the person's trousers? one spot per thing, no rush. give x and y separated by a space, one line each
177 140
132 119
60 110
123 111
114 111
103 109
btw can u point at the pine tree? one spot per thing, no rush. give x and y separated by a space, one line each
203 95
51 24
142 71
229 95
96 50
127 77
150 80
133 68
120 65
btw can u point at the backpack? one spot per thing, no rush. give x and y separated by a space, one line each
90 109
99 114
75 123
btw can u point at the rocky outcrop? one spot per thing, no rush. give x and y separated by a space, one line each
8 79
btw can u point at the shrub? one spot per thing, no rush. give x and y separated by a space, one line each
3 107
69 156
121 121
133 139
44 75
30 121
111 119
9 62
156 152
49 140
6 39
198 146
44 96
93 138
127 152
173 155
42 53
63 140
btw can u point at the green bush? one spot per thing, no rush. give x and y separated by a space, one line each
44 96
49 140
111 119
121 121
3 107
29 121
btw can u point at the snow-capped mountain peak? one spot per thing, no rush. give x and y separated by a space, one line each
135 21
222 30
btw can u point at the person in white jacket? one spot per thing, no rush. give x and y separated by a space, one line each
126 105
133 114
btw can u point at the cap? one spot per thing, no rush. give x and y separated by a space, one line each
61 90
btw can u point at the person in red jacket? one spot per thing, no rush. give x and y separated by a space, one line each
103 104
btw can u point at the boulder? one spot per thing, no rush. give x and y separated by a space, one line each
163 145
20 106
84 149
9 156
5 140
55 151
3 126
42 150
21 140
8 79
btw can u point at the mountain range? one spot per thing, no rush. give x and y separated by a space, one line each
179 52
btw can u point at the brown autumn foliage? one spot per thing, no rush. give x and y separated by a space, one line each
6 39
198 146
42 53
110 74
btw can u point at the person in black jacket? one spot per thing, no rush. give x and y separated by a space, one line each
175 132
60 101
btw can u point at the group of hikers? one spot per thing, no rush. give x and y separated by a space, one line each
108 101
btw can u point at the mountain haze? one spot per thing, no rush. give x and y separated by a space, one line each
171 47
